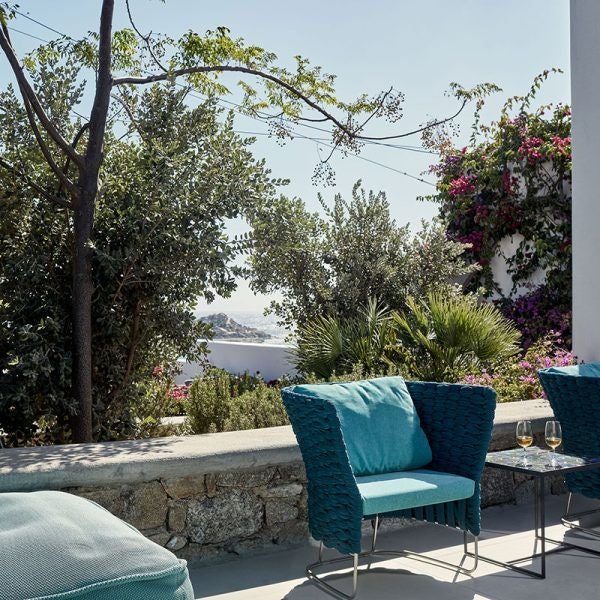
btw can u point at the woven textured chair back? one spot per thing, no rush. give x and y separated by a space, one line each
574 395
457 420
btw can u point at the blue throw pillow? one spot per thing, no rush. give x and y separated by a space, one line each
583 370
379 422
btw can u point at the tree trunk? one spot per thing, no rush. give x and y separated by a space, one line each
83 224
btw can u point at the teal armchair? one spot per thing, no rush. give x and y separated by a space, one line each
387 448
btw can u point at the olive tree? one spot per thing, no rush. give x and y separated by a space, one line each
334 263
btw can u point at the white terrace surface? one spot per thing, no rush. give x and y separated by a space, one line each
571 575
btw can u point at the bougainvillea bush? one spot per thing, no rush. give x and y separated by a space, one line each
514 179
516 378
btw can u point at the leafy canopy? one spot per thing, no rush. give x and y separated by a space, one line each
333 264
171 179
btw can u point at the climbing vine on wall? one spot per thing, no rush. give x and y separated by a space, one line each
514 180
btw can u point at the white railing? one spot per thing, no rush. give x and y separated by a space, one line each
272 361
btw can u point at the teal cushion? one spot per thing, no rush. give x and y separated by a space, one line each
380 425
389 492
58 546
583 370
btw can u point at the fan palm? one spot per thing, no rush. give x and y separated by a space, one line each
330 344
444 337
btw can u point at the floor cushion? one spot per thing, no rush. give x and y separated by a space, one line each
58 546
379 422
390 492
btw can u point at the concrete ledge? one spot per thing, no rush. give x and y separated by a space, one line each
135 461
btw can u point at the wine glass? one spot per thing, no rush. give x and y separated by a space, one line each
553 440
524 438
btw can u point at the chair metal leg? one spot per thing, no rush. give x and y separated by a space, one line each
568 520
375 528
336 593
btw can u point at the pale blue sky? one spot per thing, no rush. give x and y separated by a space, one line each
418 46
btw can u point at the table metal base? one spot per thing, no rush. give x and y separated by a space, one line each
540 536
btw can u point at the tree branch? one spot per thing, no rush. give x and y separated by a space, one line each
30 96
290 88
74 143
40 190
46 151
145 38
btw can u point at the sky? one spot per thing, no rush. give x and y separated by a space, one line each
417 46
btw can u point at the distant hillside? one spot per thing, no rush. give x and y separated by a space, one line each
226 328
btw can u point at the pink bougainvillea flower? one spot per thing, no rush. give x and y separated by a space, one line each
530 149
463 185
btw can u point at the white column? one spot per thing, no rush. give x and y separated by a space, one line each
585 91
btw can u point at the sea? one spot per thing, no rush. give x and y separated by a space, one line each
266 323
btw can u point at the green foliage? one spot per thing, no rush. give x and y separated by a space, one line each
514 179
331 345
160 243
442 338
219 401
333 265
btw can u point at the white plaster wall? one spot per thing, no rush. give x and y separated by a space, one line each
271 360
585 92
506 250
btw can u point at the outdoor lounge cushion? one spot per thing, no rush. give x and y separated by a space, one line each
57 546
379 422
583 370
389 492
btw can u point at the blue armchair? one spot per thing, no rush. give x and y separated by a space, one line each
385 447
574 394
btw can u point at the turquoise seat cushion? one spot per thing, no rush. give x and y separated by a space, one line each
57 546
583 370
379 422
388 492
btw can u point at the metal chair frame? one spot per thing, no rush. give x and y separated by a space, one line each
373 552
568 519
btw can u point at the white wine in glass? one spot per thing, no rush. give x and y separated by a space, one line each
524 438
553 440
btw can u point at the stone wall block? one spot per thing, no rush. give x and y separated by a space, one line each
287 490
112 499
497 487
184 487
245 479
147 506
280 511
231 515
177 516
176 542
292 472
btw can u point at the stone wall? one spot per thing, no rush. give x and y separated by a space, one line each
211 496
213 515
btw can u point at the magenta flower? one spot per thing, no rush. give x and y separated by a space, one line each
463 186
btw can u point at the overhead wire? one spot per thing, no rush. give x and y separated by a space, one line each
239 109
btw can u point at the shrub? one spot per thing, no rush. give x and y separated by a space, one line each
516 378
331 264
442 338
219 401
330 344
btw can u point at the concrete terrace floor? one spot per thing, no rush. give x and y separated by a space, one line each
508 533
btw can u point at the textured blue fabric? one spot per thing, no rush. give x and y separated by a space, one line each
389 492
379 423
574 394
61 547
457 420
